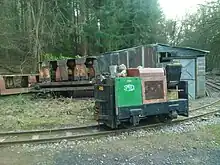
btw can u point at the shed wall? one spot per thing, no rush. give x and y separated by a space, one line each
193 71
189 74
200 78
150 57
132 58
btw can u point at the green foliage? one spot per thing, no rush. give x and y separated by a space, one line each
50 56
201 30
31 28
87 27
129 23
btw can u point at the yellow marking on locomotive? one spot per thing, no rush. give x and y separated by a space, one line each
101 88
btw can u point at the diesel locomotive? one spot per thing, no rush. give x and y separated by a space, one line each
141 94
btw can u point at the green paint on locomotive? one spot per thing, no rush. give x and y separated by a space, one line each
128 91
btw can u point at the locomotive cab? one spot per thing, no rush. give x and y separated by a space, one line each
143 93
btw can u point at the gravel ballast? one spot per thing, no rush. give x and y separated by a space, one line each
186 143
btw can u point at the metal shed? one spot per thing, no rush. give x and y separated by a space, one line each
193 62
131 57
158 55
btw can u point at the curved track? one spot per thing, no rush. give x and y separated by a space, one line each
73 133
213 84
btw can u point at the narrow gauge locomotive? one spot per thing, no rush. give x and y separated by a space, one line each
143 93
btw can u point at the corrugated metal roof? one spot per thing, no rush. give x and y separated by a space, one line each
174 50
121 50
186 48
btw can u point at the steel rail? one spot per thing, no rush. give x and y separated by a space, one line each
212 83
46 130
205 106
103 133
78 128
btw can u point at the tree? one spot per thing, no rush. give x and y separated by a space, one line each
30 28
201 30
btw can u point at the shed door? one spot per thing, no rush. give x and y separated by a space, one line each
200 83
188 74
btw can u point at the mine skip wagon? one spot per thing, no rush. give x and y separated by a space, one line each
72 75
141 94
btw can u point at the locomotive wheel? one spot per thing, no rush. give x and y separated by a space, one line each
96 112
164 118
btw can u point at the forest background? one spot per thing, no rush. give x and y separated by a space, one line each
34 30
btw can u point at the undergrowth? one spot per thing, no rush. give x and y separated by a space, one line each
23 112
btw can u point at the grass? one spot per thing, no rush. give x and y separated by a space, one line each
213 131
23 112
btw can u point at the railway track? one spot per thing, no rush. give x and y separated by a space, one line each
92 131
213 84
